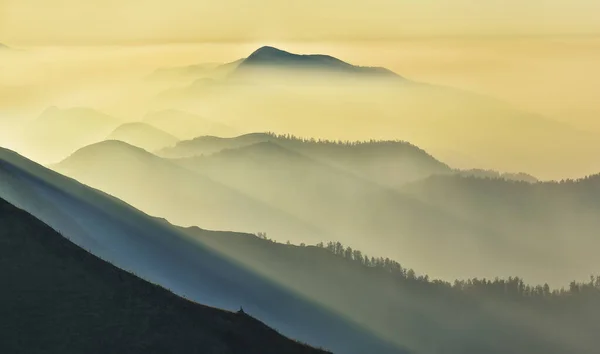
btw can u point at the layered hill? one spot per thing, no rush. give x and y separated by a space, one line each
284 93
308 200
63 299
162 188
160 253
390 163
143 135
362 194
551 222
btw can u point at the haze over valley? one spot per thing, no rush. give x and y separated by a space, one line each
369 178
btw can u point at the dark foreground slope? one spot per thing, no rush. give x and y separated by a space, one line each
160 253
58 298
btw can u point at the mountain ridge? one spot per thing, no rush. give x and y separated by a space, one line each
197 198
92 306
268 56
114 230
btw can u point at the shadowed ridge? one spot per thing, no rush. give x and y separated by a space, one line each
158 252
93 307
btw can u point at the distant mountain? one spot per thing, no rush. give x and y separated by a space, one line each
554 222
267 69
184 125
270 57
206 145
176 193
56 133
273 90
143 135
270 188
390 163
65 300
471 317
350 207
161 253
474 219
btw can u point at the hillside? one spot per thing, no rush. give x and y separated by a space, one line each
474 316
268 188
390 163
162 254
143 135
162 188
292 196
64 300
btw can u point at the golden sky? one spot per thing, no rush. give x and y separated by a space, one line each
137 21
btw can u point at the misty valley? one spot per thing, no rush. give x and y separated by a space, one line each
287 203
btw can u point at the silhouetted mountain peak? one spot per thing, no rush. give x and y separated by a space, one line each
269 51
268 56
273 56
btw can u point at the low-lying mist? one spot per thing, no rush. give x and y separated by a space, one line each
441 156
387 198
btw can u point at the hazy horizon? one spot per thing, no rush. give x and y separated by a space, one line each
386 176
107 79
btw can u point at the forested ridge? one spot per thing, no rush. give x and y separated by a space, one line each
427 315
58 298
